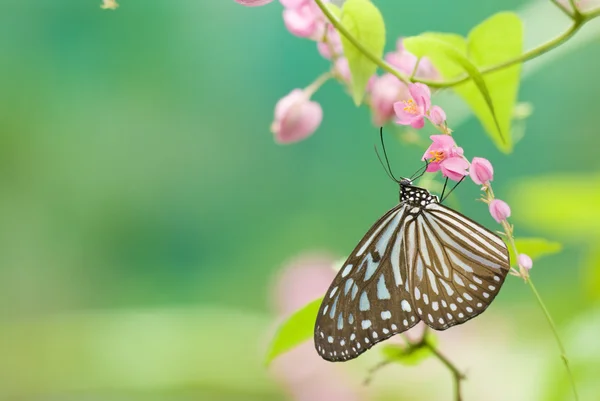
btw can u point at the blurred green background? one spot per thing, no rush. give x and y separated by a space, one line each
145 208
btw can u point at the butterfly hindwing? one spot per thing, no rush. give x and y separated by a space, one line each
458 270
368 300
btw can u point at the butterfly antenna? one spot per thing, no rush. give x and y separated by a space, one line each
383 164
453 188
420 172
387 160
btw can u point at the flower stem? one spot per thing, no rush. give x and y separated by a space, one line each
317 83
562 8
563 352
456 374
579 19
366 52
508 231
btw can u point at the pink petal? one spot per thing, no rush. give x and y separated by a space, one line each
481 171
284 104
442 142
301 21
403 116
253 3
385 91
499 210
343 69
437 115
422 96
418 122
525 261
454 168
301 121
432 167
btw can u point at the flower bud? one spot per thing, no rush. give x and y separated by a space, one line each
481 171
296 117
437 115
499 210
524 261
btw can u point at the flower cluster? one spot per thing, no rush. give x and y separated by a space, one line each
297 116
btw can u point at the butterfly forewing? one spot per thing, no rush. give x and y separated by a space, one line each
368 301
458 270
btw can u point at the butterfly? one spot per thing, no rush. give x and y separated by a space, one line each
421 261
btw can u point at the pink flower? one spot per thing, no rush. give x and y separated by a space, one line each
342 69
385 91
413 111
305 375
525 261
306 20
405 62
332 46
444 155
418 106
296 117
499 210
437 115
253 3
481 171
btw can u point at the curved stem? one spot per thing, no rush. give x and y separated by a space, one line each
508 232
456 374
561 347
366 52
579 19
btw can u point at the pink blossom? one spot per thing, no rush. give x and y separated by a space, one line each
332 45
525 261
413 111
342 69
499 210
306 21
305 375
405 62
253 3
481 171
296 117
437 115
444 155
385 91
418 106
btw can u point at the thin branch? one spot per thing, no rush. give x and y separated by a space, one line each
561 347
508 231
366 52
456 374
579 19
562 8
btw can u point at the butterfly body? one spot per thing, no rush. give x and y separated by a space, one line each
421 261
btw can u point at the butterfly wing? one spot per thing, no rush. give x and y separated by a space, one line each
368 300
456 267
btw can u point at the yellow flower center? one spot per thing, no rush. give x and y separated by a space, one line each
436 156
410 106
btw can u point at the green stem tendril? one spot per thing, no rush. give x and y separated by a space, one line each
312 88
524 274
579 19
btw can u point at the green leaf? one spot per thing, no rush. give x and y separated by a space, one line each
535 247
426 45
410 354
496 40
298 328
364 21
591 274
